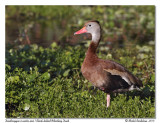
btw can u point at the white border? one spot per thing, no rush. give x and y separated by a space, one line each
2 62
157 62
81 2
77 2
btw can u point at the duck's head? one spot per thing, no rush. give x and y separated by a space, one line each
90 27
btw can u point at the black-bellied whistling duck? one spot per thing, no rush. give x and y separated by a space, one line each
106 75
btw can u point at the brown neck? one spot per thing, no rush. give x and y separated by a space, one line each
91 57
92 48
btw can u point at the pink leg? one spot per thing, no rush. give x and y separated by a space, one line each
108 100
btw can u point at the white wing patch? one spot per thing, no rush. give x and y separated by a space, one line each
126 79
122 74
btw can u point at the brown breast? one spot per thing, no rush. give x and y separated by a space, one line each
91 67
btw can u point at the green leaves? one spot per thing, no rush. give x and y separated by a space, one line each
45 76
54 45
26 107
66 73
153 77
14 79
7 67
47 82
152 110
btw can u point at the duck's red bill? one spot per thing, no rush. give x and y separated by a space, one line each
83 30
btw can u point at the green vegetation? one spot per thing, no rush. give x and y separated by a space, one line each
135 24
46 82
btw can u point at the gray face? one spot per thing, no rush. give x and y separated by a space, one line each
92 27
95 30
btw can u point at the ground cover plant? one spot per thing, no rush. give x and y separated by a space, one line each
42 68
47 82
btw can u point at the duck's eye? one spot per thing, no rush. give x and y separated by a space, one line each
89 25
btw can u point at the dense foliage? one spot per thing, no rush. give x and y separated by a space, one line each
47 82
44 24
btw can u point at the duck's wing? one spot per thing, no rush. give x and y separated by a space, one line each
117 69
